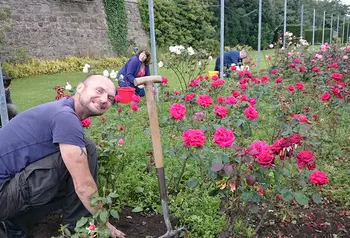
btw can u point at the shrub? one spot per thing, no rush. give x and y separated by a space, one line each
69 64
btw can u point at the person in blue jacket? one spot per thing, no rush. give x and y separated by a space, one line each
231 57
137 66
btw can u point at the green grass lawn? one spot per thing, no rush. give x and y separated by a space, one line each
32 91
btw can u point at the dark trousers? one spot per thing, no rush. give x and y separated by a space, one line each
41 188
11 110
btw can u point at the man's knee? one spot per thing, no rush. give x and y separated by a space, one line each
12 110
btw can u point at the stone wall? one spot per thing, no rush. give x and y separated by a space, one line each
58 28
136 32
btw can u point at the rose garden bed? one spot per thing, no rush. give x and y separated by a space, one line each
264 155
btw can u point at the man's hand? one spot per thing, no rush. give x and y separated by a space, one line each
115 233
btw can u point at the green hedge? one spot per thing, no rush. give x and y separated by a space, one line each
70 64
318 36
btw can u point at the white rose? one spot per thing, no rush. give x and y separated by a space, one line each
68 86
105 73
190 51
160 64
210 58
113 75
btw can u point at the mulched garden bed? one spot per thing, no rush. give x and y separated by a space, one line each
329 221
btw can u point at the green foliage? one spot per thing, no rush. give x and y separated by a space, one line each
181 22
318 36
69 64
96 226
117 25
200 218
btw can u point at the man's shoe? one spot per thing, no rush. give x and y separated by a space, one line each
11 230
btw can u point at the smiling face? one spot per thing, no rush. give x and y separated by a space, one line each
142 56
95 95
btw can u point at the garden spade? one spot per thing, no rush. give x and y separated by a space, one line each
157 150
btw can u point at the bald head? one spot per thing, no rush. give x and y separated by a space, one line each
95 95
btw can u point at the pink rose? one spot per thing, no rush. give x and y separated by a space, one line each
204 100
134 106
230 100
220 111
193 138
224 137
86 122
177 111
318 178
251 113
189 97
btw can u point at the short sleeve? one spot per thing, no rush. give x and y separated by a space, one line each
67 129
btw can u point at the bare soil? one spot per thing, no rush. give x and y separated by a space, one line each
327 221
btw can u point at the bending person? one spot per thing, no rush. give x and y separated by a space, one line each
137 66
46 164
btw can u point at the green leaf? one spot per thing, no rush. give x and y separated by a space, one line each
67 232
93 202
301 198
192 182
114 214
113 195
104 216
317 198
247 196
137 209
82 222
285 172
287 196
139 190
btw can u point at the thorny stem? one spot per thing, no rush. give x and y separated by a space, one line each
263 217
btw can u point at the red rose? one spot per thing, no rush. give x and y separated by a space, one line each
264 79
318 178
193 137
290 88
292 66
299 86
189 97
274 71
177 111
296 139
326 96
265 159
220 99
220 111
337 76
217 83
224 137
279 80
204 100
304 158
230 100
251 113
316 69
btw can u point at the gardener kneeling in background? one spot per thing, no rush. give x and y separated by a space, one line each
137 66
11 107
231 57
47 165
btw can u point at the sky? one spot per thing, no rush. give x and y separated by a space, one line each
346 2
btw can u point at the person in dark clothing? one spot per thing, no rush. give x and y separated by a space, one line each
46 164
11 107
137 66
231 57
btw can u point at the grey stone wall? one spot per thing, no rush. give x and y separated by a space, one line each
136 33
57 28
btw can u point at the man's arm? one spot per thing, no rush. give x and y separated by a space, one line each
76 161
